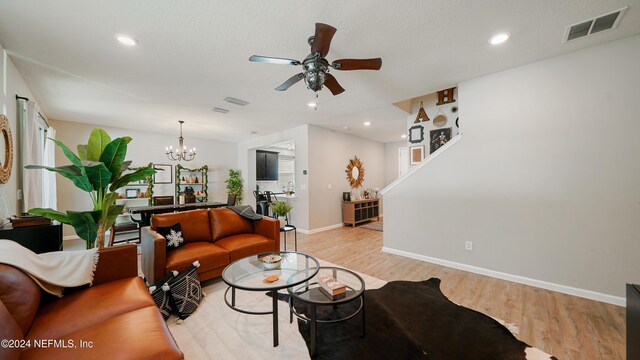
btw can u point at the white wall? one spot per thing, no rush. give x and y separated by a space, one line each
12 84
391 150
545 180
324 154
146 147
247 164
329 155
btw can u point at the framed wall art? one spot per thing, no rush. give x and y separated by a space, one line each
132 193
438 138
164 175
416 134
417 154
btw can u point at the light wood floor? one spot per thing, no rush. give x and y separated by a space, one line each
565 326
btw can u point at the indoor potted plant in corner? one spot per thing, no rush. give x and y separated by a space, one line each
99 169
234 184
281 209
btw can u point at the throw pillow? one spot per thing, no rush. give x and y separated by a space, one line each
173 234
186 292
160 295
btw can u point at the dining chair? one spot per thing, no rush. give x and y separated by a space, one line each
163 200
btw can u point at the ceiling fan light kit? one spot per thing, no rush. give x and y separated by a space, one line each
316 68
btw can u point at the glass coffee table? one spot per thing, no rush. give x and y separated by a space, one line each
252 274
310 296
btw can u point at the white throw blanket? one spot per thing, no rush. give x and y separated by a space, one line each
52 271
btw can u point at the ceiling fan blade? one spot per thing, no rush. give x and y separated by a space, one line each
357 64
292 80
273 60
322 39
332 84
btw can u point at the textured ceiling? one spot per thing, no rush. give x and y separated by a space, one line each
193 54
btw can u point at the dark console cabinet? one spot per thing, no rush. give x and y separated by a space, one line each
633 321
266 165
39 239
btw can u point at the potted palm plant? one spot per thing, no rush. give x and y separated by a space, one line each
281 209
99 169
234 184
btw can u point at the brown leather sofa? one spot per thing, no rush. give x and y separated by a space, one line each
113 319
214 237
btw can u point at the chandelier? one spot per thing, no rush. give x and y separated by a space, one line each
181 153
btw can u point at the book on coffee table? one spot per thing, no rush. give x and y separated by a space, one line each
331 286
333 297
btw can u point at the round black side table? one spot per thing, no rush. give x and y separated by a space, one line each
311 296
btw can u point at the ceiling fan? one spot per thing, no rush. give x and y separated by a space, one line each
316 67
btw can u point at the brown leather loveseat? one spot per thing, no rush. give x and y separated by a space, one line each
214 237
115 318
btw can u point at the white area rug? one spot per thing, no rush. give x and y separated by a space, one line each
215 331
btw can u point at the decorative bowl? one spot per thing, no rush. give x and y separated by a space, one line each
271 261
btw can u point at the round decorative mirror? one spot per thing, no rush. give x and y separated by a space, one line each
440 120
6 144
355 172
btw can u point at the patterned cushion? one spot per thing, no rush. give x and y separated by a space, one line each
160 295
173 234
186 292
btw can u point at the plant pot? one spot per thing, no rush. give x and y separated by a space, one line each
283 221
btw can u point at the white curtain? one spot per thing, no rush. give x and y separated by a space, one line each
32 155
49 197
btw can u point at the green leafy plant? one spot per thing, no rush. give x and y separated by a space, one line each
99 169
281 208
234 184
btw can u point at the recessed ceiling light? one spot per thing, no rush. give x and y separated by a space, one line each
346 128
126 40
367 123
403 136
312 104
499 38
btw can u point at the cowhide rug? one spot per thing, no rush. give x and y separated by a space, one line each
414 320
216 332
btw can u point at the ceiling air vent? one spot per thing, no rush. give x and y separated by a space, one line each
236 101
589 27
220 110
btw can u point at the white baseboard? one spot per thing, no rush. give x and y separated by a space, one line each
588 294
315 231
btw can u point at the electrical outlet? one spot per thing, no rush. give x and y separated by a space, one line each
468 245
329 186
